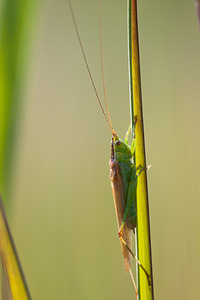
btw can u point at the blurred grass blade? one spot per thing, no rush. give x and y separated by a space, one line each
197 4
10 261
15 34
143 244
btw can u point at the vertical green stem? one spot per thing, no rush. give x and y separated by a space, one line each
15 29
143 245
15 32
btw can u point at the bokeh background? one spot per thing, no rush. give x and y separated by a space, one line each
60 207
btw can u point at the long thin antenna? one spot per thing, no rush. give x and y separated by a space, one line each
102 64
88 69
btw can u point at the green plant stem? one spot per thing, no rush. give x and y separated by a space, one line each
15 32
143 244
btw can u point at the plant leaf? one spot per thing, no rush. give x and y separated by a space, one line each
10 261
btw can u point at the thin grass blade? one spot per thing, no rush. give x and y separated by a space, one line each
197 5
15 29
10 261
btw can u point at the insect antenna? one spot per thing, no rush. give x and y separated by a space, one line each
102 68
88 69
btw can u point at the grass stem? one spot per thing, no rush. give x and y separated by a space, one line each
143 241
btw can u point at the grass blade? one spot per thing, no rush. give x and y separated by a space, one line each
197 5
15 28
10 261
143 244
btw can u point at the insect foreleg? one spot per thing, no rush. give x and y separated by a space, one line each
142 169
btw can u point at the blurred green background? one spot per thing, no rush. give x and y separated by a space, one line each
61 213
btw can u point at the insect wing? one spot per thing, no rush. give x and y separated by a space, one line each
117 190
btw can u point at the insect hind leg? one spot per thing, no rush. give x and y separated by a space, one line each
137 260
134 284
131 198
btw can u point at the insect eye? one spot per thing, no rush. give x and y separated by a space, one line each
117 143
